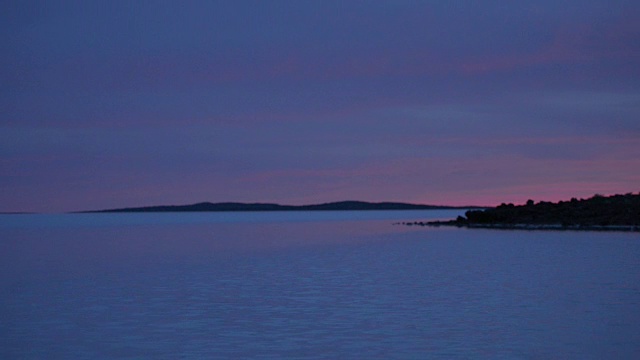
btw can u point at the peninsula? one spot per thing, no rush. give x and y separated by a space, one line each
235 206
616 212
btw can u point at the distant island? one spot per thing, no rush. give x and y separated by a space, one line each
234 206
616 212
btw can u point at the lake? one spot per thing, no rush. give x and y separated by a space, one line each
316 285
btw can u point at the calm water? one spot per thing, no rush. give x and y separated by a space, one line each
320 285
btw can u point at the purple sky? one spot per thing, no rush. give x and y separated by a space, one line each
131 103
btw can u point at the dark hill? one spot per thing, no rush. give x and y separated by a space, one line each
233 206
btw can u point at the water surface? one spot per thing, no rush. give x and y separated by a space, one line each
311 285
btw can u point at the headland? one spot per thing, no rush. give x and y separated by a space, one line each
598 213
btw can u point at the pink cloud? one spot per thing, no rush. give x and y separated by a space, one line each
488 180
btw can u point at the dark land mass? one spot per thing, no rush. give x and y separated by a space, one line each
233 206
616 212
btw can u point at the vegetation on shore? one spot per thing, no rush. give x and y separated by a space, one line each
616 212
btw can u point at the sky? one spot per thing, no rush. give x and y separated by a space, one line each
107 104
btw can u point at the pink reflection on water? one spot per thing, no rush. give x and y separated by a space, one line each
60 253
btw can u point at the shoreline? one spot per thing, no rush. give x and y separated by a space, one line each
598 213
552 227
